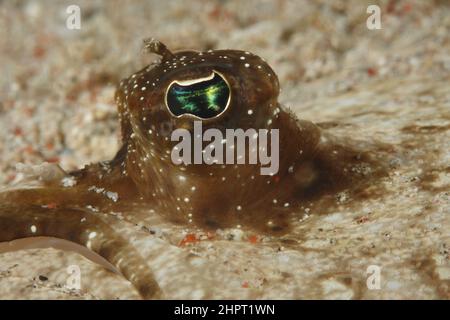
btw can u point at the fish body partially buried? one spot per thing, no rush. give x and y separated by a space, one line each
223 90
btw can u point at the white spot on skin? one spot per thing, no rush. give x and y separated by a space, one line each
114 196
92 235
68 182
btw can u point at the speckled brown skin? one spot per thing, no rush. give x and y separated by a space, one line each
312 166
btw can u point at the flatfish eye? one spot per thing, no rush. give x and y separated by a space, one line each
203 98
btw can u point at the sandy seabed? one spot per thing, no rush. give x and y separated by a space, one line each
389 85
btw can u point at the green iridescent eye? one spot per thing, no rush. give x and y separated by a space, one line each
204 98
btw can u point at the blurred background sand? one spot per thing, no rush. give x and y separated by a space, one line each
56 106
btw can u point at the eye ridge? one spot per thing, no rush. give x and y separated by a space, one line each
204 98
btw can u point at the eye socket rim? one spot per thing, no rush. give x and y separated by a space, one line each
193 116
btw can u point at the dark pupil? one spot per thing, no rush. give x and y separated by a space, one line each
205 99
